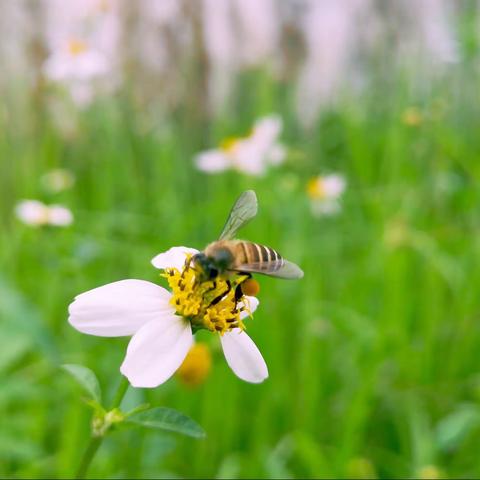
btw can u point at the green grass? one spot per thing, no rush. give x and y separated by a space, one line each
373 356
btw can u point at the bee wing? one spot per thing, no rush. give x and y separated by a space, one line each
244 209
276 268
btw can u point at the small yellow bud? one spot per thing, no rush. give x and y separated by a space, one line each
429 472
196 366
57 180
412 117
396 234
361 467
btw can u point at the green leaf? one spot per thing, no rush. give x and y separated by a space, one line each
453 428
13 348
86 378
168 419
19 315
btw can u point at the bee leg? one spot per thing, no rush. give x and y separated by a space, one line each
219 297
238 289
238 293
213 287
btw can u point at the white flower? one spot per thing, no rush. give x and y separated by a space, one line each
330 31
237 34
251 154
325 192
82 38
35 213
162 336
75 60
76 64
258 26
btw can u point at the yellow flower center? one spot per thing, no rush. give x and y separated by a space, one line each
316 189
229 144
43 216
210 304
76 47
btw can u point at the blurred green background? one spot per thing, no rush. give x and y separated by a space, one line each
373 356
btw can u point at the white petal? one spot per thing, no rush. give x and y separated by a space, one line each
32 212
90 64
119 308
59 216
173 258
250 157
251 304
333 185
243 356
212 161
62 66
156 351
267 129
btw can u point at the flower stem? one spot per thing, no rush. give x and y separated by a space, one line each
95 442
121 391
87 458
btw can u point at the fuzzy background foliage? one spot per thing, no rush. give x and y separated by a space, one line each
373 356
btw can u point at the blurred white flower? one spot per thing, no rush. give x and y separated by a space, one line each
437 30
325 193
220 46
82 38
163 12
161 321
237 34
36 213
251 154
258 28
57 180
75 60
426 37
76 64
17 27
329 28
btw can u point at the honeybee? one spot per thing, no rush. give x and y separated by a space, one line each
227 255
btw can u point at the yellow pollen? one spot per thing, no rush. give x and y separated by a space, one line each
76 47
209 304
315 189
250 287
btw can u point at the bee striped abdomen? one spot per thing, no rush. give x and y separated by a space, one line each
267 259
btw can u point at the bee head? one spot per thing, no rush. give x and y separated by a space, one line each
205 265
212 265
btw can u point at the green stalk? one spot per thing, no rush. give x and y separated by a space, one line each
121 391
95 442
87 458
